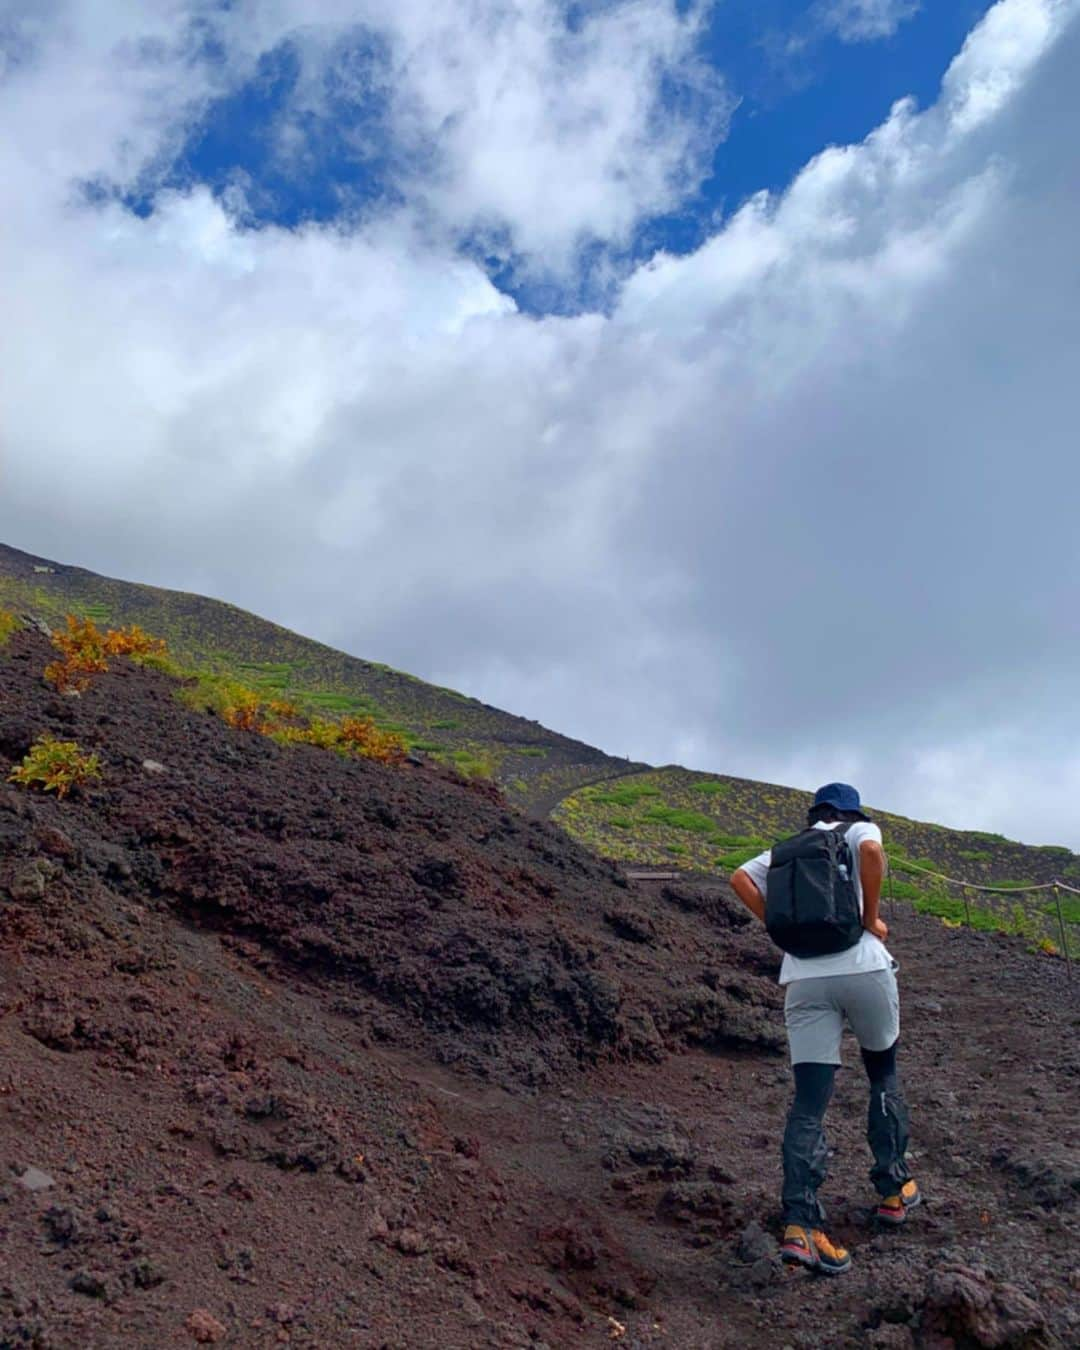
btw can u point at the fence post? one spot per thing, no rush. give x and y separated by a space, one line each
1061 927
967 905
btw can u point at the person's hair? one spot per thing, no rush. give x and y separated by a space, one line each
829 814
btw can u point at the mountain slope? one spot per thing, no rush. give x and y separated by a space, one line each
533 765
627 812
301 1050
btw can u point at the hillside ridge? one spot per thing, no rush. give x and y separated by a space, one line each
631 813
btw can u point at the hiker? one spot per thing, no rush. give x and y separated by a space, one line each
818 895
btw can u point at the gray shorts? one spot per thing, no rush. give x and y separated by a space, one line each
814 1013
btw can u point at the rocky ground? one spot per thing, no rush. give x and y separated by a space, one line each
302 1051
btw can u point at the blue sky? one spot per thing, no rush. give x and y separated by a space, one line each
800 84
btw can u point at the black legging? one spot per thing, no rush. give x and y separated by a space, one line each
806 1152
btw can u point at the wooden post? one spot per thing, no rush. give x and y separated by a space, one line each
1064 937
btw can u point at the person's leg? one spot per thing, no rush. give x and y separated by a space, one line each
814 1027
872 1006
805 1151
886 1122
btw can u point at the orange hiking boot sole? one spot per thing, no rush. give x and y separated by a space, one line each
895 1217
798 1256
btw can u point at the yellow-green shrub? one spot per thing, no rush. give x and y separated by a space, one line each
9 623
57 766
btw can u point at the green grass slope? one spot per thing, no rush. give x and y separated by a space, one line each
534 766
673 817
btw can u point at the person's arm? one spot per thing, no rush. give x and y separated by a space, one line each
871 874
744 886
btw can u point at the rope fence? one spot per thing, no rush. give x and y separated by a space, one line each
1056 886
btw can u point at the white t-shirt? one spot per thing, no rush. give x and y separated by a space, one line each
869 953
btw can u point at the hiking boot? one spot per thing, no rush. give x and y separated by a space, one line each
893 1209
813 1250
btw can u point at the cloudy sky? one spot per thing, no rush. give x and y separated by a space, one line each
698 378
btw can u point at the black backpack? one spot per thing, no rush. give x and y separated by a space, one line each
811 908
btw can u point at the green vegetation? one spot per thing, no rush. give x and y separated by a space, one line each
895 889
9 623
975 855
680 819
471 763
56 766
731 862
1070 908
712 787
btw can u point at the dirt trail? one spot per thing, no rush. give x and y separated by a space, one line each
319 1053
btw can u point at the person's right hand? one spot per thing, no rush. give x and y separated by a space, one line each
880 929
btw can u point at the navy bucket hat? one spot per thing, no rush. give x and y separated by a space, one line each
841 795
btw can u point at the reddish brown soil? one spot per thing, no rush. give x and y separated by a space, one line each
320 1053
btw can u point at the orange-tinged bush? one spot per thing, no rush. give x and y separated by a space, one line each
85 650
282 708
244 710
132 641
82 648
8 624
362 735
57 766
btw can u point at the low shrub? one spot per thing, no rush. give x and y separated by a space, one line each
82 651
1024 924
733 861
9 623
473 763
365 738
85 651
895 889
680 819
56 766
711 788
1070 908
132 641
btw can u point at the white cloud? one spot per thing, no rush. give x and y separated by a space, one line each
802 499
867 20
498 121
